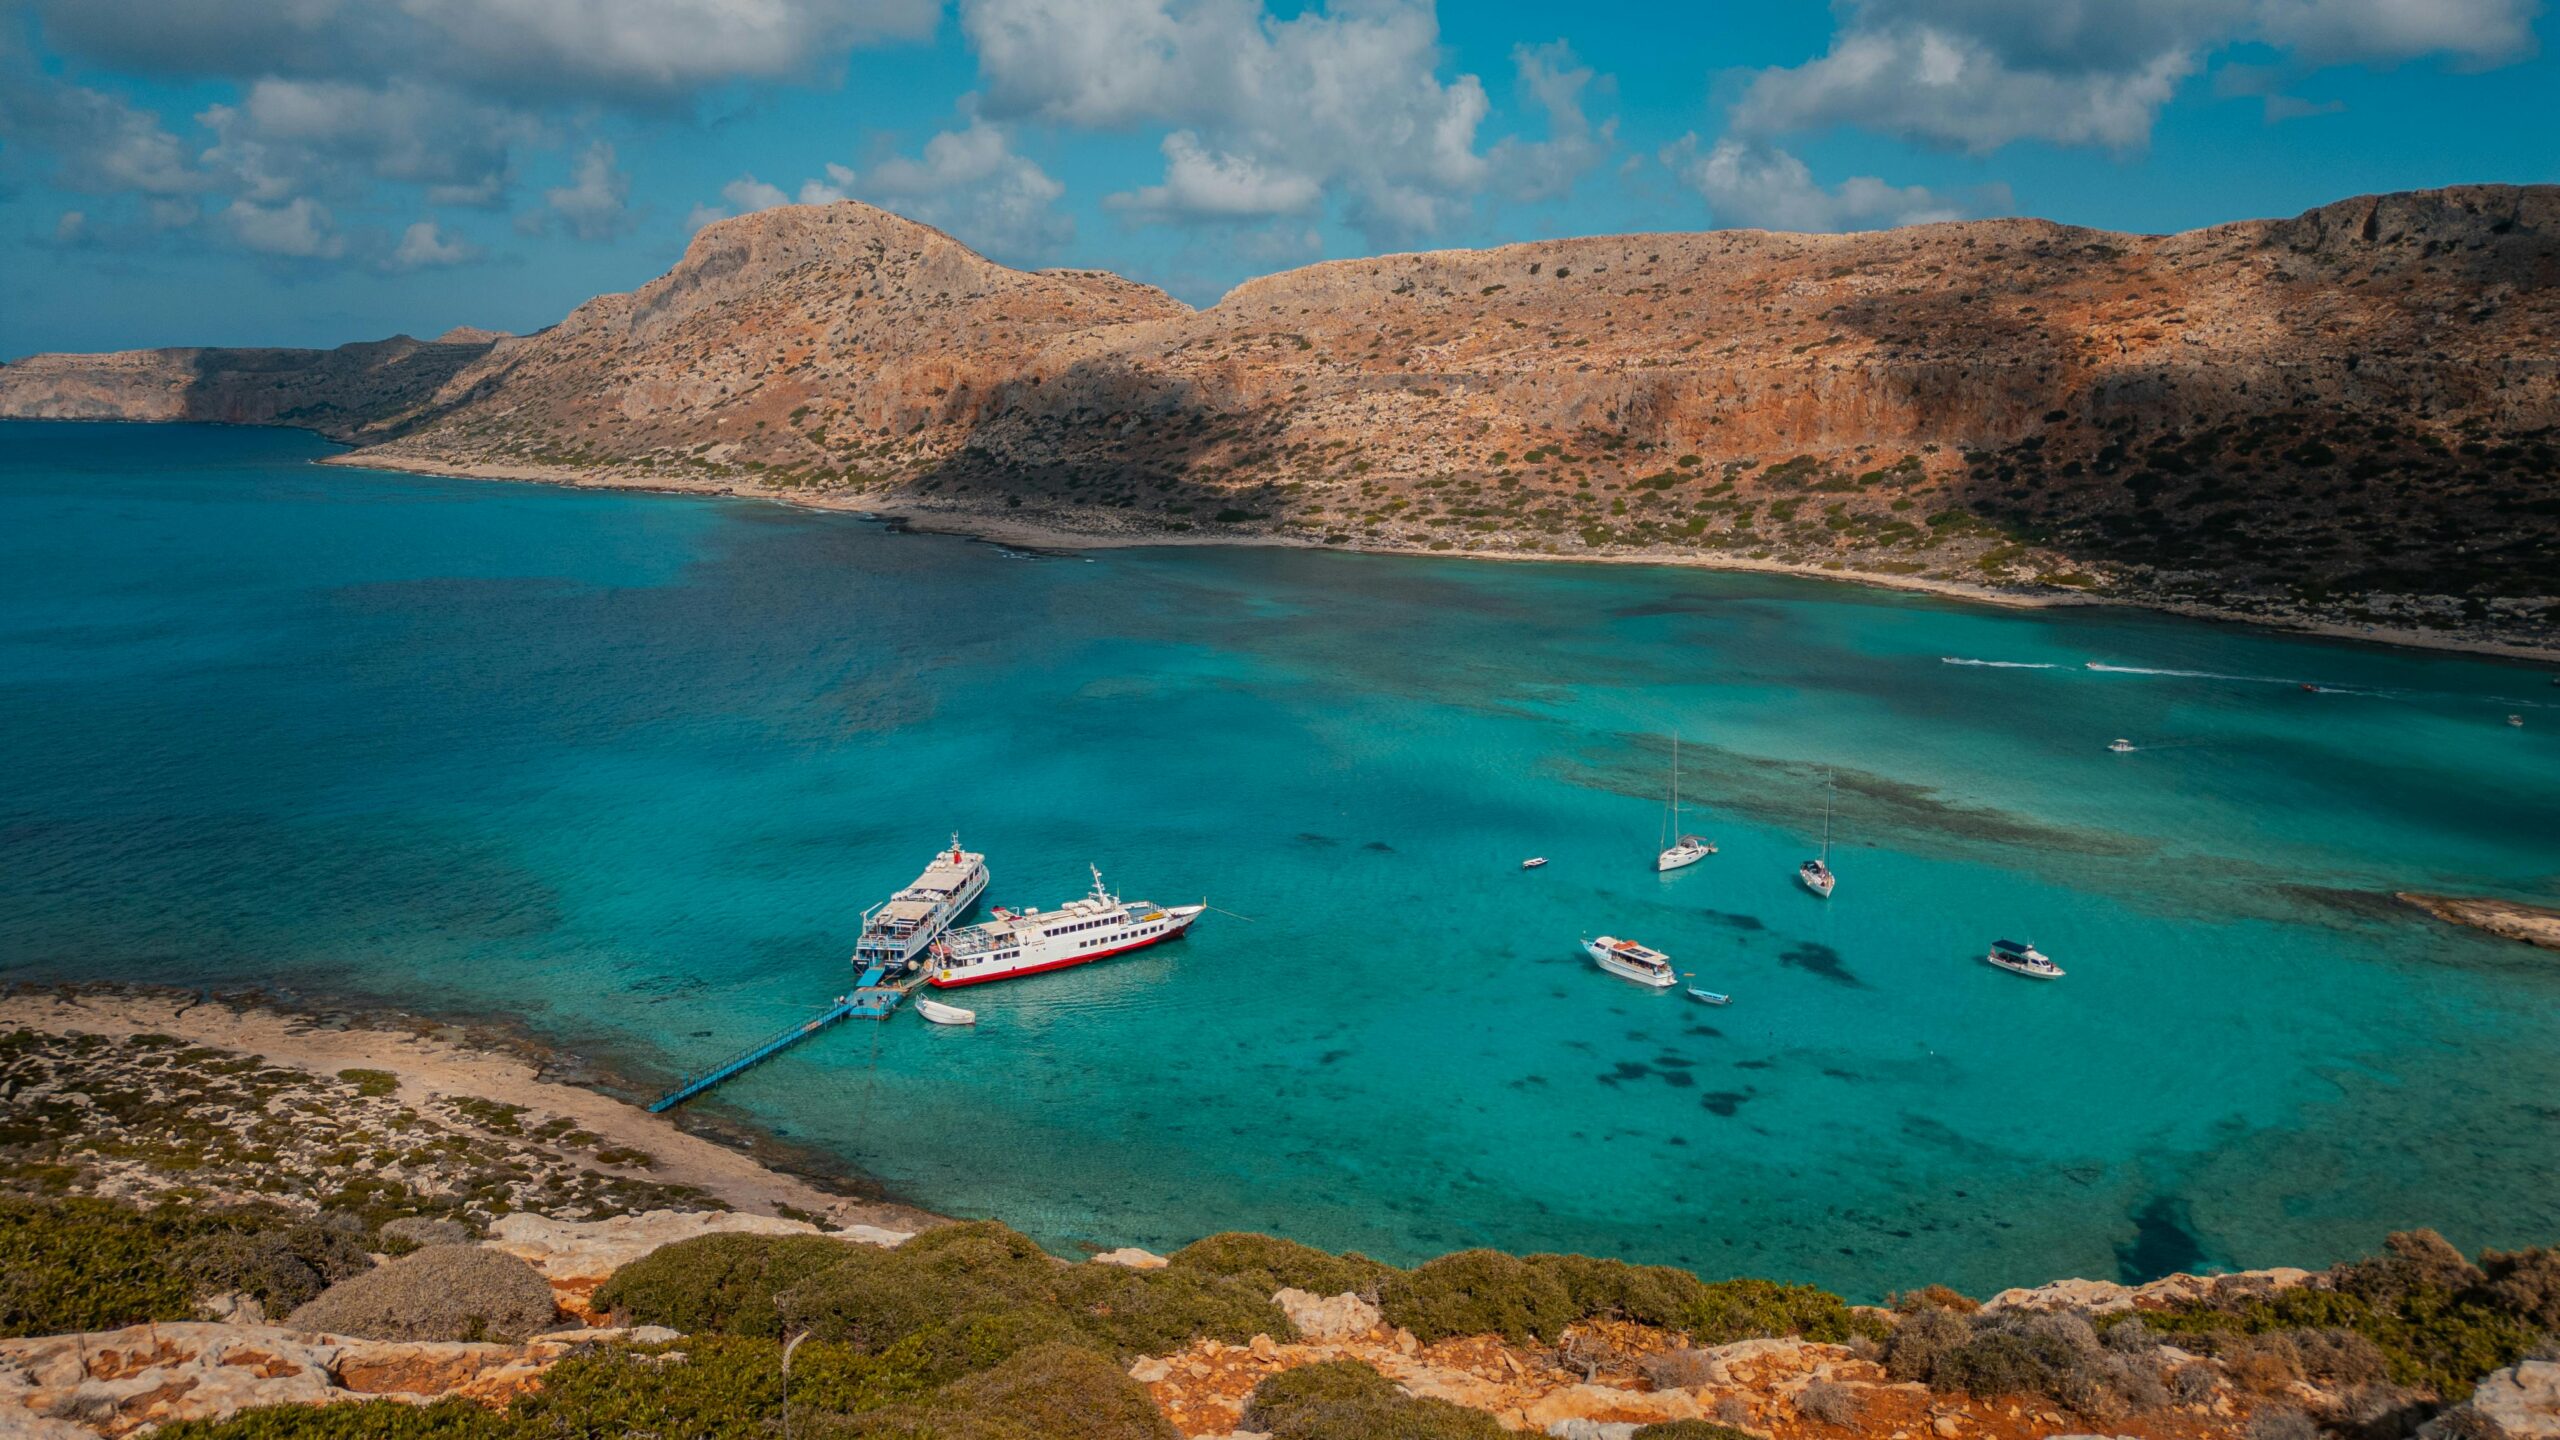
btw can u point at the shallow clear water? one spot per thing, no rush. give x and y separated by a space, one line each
628 767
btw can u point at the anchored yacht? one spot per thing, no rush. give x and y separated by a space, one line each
1079 932
896 931
1630 961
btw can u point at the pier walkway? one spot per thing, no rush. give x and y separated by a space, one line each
875 998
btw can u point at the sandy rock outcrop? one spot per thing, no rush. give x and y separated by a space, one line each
2521 1401
1334 1317
115 1382
577 1256
1132 1258
2102 1297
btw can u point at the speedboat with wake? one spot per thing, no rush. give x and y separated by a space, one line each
2022 959
1630 961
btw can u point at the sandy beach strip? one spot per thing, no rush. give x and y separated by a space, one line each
1005 528
429 1059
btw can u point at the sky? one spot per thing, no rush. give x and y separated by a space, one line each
309 172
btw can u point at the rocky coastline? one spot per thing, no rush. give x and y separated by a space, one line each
353 1216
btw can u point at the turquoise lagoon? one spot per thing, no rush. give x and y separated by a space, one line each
625 769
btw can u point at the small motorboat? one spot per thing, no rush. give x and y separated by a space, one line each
1708 997
2310 689
2122 747
941 1014
1630 961
2516 720
2025 960
1533 862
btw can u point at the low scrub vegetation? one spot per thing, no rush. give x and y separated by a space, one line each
81 1264
1346 1400
444 1292
1534 1297
2437 1321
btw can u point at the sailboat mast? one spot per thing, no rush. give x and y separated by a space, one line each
1827 790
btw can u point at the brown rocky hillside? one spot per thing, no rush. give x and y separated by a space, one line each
366 389
2348 415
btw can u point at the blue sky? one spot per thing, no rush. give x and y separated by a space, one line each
305 172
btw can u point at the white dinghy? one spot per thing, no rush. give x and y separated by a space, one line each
941 1014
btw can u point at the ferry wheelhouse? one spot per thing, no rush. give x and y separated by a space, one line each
896 932
1079 932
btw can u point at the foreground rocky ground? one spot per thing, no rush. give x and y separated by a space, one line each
202 1242
2343 419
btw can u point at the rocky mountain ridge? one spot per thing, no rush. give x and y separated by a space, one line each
2347 416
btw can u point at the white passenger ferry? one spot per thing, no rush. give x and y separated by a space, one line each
1077 933
896 931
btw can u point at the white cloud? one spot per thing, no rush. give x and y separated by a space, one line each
1347 98
1946 88
747 193
644 51
426 245
1200 185
595 204
98 144
972 183
1976 75
1547 169
1768 189
300 229
2478 32
289 137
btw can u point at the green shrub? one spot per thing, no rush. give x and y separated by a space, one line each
282 1265
1346 1400
1044 1392
717 1284
368 1420
2526 1285
1648 1294
966 1297
723 1389
373 1084
2058 1356
2439 1322
1150 1312
82 1264
1273 1264
1733 1310
1479 1292
445 1292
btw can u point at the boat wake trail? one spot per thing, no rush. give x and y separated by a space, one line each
2193 674
1994 664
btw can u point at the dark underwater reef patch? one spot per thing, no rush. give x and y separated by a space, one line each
1788 794
1820 960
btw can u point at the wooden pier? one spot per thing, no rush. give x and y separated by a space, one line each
875 998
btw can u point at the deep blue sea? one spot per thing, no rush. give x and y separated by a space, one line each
628 767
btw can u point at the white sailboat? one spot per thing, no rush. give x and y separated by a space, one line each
1816 873
1684 850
